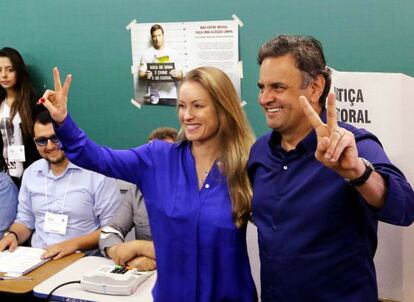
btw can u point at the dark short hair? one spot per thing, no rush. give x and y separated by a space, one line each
309 56
163 133
43 118
156 27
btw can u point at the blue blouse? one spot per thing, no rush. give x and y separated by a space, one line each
201 255
317 235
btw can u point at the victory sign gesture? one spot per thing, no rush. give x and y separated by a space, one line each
56 101
336 147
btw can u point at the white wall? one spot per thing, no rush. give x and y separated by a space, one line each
388 99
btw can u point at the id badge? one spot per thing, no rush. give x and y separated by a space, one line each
16 153
55 223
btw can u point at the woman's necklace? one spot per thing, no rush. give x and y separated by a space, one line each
203 164
202 178
202 173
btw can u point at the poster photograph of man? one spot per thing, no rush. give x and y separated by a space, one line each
163 52
158 69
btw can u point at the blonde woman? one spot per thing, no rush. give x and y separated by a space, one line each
196 191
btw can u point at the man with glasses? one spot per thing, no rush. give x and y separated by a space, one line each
61 205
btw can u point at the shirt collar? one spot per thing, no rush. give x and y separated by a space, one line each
44 168
309 143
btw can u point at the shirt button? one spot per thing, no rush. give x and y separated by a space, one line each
207 186
285 167
274 227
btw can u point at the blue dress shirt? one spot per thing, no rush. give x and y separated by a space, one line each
317 235
8 202
201 255
91 200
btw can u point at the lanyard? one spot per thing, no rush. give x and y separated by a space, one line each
66 192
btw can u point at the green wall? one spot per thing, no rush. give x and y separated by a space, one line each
88 39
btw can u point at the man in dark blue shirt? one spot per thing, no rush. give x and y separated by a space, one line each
320 186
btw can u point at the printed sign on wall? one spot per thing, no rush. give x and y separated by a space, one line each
163 52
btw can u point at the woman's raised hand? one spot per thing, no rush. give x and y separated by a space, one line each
56 101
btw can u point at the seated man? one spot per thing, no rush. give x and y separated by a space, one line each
113 242
8 202
60 204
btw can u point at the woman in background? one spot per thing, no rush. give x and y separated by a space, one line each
17 102
196 191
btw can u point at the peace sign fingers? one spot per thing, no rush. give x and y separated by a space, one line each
56 101
329 135
313 117
331 112
58 85
56 79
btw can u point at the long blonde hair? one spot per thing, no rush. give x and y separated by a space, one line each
235 134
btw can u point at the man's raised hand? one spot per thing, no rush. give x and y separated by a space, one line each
336 146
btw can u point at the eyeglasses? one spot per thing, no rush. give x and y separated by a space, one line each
42 141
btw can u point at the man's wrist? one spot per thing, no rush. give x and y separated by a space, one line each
357 171
361 177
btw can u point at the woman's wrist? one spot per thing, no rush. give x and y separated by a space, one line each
11 233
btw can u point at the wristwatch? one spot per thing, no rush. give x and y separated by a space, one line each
369 168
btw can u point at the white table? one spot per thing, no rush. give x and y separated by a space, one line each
74 291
